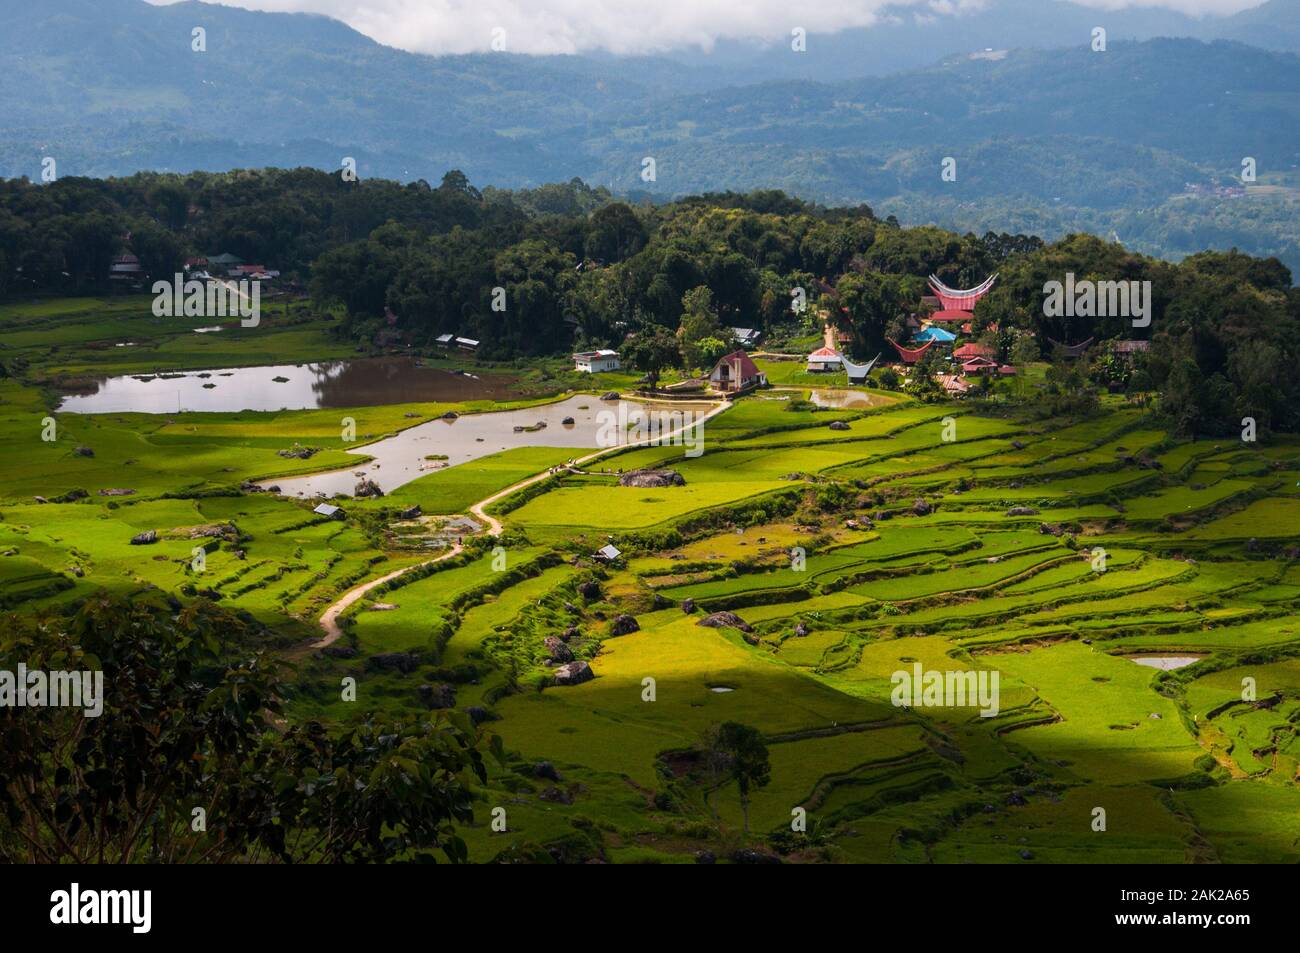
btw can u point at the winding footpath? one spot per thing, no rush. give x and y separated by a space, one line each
329 620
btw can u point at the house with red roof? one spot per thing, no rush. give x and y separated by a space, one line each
736 372
979 365
910 355
968 351
825 359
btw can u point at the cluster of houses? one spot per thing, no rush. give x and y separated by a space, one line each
732 374
944 310
226 265
449 341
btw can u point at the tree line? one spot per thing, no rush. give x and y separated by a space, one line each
566 266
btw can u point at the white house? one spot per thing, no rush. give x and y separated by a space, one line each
327 509
596 362
444 340
825 359
467 344
609 553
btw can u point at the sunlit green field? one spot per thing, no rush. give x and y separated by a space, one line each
853 555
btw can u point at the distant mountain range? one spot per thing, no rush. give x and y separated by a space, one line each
109 87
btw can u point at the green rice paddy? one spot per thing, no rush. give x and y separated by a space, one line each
852 554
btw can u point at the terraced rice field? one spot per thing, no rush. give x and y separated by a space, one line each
1033 555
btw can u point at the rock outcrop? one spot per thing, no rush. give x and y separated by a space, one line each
720 620
624 624
651 478
575 673
557 650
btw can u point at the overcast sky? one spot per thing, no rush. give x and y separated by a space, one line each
630 26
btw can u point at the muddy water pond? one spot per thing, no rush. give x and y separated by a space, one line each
845 399
1165 662
367 382
403 457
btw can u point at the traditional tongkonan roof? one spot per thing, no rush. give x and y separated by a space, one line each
953 299
910 355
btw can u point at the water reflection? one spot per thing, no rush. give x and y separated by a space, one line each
404 457
366 382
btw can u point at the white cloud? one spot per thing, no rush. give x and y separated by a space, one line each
631 26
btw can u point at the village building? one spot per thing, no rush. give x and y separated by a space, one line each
858 373
747 337
1127 349
825 359
467 344
953 385
736 372
609 552
124 267
224 261
328 510
910 355
979 366
596 362
444 340
968 351
934 335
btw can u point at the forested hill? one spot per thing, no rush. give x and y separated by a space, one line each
113 86
577 269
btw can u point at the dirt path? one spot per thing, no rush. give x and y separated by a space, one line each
329 621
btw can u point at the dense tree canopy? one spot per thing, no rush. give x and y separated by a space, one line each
561 267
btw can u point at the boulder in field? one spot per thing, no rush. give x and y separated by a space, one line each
922 507
611 395
651 478
450 415
720 620
83 452
393 662
546 770
688 606
624 624
115 491
441 695
410 513
838 425
801 629
72 496
145 538
1022 511
567 422
569 633
575 673
557 650
589 590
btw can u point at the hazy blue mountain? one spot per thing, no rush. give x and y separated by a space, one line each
1061 135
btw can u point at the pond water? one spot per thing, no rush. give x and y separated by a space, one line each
844 399
367 382
1166 663
402 458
